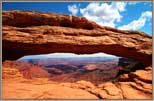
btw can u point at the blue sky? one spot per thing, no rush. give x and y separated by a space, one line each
121 15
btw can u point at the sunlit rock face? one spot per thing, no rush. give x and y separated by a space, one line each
27 33
16 85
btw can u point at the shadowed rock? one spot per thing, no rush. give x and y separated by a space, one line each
27 33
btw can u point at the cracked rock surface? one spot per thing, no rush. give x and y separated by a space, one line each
26 32
17 86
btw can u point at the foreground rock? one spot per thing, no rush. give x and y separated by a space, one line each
41 89
29 32
15 86
136 85
136 89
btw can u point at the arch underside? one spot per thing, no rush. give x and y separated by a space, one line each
80 36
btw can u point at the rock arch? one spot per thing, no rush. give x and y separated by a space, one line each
27 33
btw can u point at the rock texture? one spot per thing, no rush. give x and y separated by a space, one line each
137 85
38 88
134 85
28 70
27 32
35 84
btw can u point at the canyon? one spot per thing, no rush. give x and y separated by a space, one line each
73 69
31 33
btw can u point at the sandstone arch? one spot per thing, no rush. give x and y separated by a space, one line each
27 33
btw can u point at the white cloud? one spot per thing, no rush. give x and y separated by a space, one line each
147 14
103 13
139 23
119 6
67 55
73 9
81 55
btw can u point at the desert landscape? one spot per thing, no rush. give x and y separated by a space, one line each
129 76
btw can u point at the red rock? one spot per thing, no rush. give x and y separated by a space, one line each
26 32
41 89
15 86
129 92
142 75
28 71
